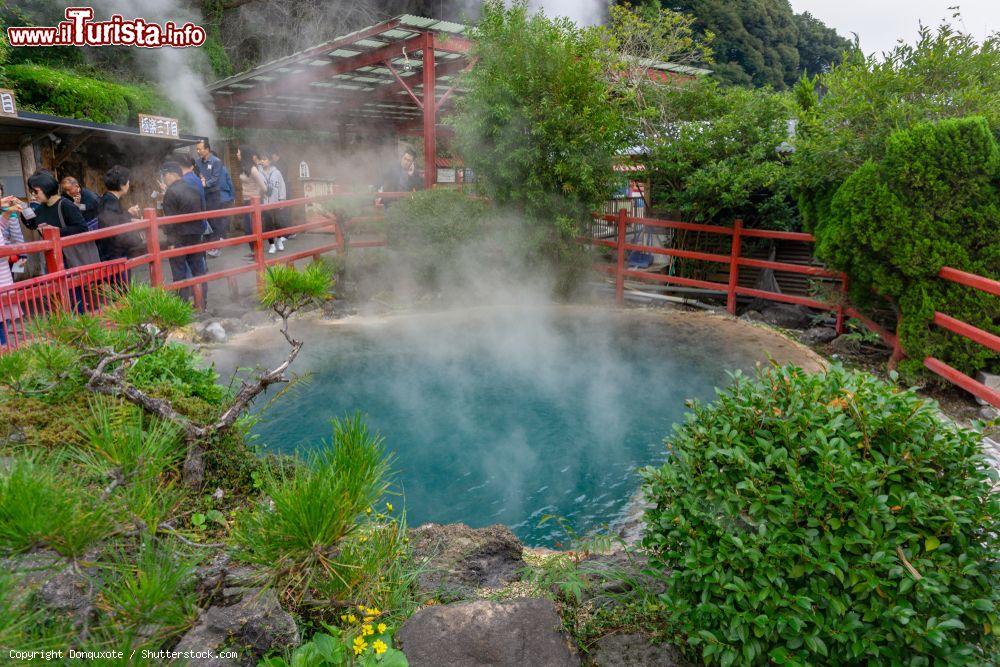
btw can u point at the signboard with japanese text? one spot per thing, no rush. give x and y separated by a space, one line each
8 107
158 126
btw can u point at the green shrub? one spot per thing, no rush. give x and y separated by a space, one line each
933 200
42 506
430 230
826 519
150 593
179 366
723 163
64 93
297 532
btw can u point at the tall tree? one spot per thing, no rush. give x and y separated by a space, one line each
763 42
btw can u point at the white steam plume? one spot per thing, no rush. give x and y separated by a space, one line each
176 71
583 12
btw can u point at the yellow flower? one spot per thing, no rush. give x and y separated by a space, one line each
351 618
373 611
343 618
359 645
388 506
379 646
366 630
361 608
382 627
368 511
369 619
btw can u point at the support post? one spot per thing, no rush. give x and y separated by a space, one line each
842 305
53 256
734 266
897 347
620 269
430 113
257 225
153 247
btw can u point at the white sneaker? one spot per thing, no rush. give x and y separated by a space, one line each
281 243
214 252
271 249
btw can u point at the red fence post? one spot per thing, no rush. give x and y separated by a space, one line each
257 225
842 305
153 247
734 267
897 346
53 256
620 271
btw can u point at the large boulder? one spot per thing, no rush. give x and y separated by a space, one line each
514 633
991 380
253 626
634 651
457 560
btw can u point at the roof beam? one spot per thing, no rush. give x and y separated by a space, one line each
290 83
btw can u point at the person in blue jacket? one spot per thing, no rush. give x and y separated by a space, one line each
218 189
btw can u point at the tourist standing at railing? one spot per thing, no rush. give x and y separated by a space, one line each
274 184
84 199
251 185
403 176
218 189
180 197
190 168
10 228
110 214
9 310
54 210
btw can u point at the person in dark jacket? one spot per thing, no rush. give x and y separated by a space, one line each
218 189
84 199
53 210
181 197
402 177
110 214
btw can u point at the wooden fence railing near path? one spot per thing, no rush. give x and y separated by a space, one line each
732 289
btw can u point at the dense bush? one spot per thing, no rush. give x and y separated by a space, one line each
826 519
314 531
538 123
722 161
431 229
933 200
946 74
65 93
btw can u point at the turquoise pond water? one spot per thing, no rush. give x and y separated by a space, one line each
504 416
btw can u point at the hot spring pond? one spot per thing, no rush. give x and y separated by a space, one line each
507 415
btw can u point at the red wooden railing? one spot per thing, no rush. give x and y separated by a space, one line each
965 330
732 289
31 298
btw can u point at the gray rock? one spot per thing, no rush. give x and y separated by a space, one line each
253 626
991 380
515 633
617 572
787 316
61 587
233 325
845 345
456 559
213 332
221 582
630 526
752 316
817 335
634 651
989 413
